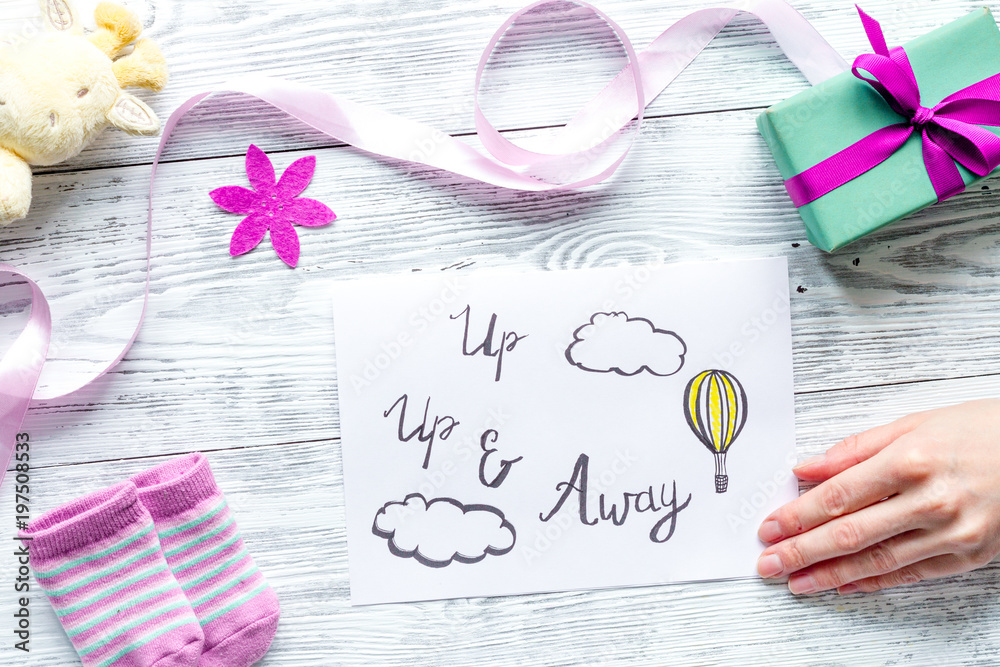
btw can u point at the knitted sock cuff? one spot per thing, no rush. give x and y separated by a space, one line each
176 486
86 520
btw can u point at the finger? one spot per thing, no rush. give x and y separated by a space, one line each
854 449
855 488
840 537
932 568
881 558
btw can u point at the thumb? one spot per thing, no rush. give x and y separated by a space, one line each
854 449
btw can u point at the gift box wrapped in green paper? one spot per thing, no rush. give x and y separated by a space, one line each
907 128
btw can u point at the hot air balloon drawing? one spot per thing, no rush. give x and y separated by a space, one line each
715 406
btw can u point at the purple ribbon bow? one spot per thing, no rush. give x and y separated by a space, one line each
950 130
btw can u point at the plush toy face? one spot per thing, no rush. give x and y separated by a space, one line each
59 90
55 92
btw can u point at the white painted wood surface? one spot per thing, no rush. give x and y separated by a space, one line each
236 357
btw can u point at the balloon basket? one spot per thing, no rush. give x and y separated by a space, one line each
721 483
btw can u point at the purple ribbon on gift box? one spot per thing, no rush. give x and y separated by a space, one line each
950 130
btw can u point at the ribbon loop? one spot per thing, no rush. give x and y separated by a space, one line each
895 83
21 367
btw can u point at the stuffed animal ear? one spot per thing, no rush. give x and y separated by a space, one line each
131 114
116 28
61 16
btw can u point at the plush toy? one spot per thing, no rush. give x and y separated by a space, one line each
60 89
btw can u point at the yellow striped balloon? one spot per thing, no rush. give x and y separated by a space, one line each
715 406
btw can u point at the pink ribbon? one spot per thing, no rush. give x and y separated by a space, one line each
950 130
21 367
589 149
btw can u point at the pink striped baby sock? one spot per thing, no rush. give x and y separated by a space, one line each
99 561
236 607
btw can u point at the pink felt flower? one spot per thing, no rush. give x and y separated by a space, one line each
273 206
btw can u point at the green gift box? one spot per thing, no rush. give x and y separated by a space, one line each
810 127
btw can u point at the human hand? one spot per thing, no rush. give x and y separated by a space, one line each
915 499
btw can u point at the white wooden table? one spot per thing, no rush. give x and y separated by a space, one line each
236 356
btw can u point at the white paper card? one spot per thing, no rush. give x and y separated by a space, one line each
509 433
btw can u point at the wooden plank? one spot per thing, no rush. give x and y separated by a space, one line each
418 59
244 346
237 356
289 503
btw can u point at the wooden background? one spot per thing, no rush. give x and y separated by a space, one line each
236 356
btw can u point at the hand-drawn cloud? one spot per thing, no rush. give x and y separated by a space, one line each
443 530
625 345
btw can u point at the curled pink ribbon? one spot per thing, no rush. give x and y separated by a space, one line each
590 150
950 131
21 367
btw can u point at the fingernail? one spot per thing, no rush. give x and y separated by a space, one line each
847 589
769 531
812 460
801 584
769 566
